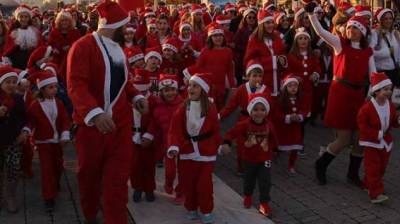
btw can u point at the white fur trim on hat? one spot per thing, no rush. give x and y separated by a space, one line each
135 58
170 46
8 75
381 84
364 13
130 29
256 100
216 31
305 33
184 25
196 11
21 75
350 10
149 14
203 84
48 68
142 87
289 80
153 54
268 18
103 23
253 66
358 25
248 11
226 21
46 82
22 9
167 83
382 12
186 73
230 9
298 13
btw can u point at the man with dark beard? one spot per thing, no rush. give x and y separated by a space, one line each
97 85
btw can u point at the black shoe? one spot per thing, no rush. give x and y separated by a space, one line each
321 165
150 196
49 205
137 196
352 173
160 164
91 222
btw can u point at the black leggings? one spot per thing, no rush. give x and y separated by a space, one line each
260 172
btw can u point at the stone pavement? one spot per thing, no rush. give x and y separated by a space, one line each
299 199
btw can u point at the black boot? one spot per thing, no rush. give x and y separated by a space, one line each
321 165
150 196
352 173
137 196
49 205
91 222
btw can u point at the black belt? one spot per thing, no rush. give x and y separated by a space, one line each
245 113
138 129
350 84
201 137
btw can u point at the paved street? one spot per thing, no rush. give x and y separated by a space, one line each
295 199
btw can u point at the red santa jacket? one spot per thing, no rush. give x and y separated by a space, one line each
246 129
268 56
289 133
202 147
141 122
241 99
189 56
375 123
89 85
48 127
304 66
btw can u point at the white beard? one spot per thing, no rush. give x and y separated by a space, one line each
26 38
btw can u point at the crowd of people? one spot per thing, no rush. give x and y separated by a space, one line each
148 88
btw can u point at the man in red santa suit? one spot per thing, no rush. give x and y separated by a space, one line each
97 76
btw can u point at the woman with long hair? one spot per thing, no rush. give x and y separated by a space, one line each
385 41
22 38
241 38
266 46
61 38
196 20
353 62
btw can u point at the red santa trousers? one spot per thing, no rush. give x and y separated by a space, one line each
197 185
104 165
143 169
172 168
375 163
51 168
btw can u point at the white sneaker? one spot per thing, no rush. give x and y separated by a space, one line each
380 199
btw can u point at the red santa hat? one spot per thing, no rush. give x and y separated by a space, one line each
253 64
21 9
148 6
149 12
359 22
256 98
111 15
203 80
151 24
44 78
7 71
221 19
133 54
184 25
22 76
190 71
301 31
288 79
363 10
248 11
163 10
168 80
230 7
346 7
51 67
203 6
264 16
38 54
172 44
298 13
242 7
141 80
214 28
152 52
196 9
269 5
130 28
379 80
381 11
278 16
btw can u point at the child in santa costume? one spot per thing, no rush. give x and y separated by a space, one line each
41 55
353 62
153 60
375 119
13 134
150 40
129 37
225 22
135 57
171 63
289 115
49 121
266 46
22 38
194 135
166 105
217 59
240 98
303 63
189 47
257 138
143 162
